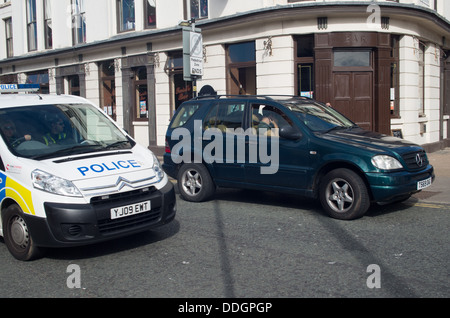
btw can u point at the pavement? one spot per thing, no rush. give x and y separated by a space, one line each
439 191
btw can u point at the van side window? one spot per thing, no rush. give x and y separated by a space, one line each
2 166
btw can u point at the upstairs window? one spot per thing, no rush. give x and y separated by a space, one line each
78 22
48 27
31 25
126 15
150 14
9 37
198 9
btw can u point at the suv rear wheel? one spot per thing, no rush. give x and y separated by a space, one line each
195 183
344 195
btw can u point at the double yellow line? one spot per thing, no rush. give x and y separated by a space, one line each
431 205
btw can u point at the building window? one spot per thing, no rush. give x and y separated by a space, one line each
108 87
395 77
9 37
241 68
180 90
126 15
198 9
421 85
78 22
141 93
150 14
348 58
40 78
304 61
48 28
74 85
31 25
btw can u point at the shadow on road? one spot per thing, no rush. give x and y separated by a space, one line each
116 245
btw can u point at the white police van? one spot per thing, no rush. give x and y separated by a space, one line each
70 176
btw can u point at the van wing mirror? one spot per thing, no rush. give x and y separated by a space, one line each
291 133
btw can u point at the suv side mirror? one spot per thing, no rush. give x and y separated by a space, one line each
291 133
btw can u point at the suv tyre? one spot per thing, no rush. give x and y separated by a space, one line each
195 183
343 194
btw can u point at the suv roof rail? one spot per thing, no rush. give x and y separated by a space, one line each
267 97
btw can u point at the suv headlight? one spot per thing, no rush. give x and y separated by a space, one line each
385 162
53 184
159 172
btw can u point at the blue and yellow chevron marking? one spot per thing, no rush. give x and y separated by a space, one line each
11 189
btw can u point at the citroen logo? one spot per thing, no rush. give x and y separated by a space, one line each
122 182
419 160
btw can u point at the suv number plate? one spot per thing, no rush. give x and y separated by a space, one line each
136 208
423 184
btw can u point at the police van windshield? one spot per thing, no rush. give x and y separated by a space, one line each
49 131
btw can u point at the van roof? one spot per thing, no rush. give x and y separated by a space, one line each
10 100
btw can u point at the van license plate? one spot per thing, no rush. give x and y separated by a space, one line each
124 211
423 184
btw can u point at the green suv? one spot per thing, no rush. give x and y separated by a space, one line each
293 145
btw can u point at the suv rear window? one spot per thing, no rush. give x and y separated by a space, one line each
183 114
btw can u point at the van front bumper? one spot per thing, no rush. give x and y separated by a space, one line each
387 187
75 224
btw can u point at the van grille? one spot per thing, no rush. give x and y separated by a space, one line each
122 196
103 205
416 160
110 226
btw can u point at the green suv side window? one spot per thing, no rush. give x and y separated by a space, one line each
183 115
225 115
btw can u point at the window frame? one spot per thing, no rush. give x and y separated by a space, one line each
304 61
395 76
31 25
48 31
245 70
78 13
9 37
138 83
190 4
106 78
147 15
353 68
120 16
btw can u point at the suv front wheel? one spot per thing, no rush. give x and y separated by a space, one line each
195 183
344 195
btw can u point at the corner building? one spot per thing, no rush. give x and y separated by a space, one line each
385 64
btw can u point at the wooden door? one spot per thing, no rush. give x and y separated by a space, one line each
353 96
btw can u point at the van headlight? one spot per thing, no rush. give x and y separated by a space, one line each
385 162
159 172
47 182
